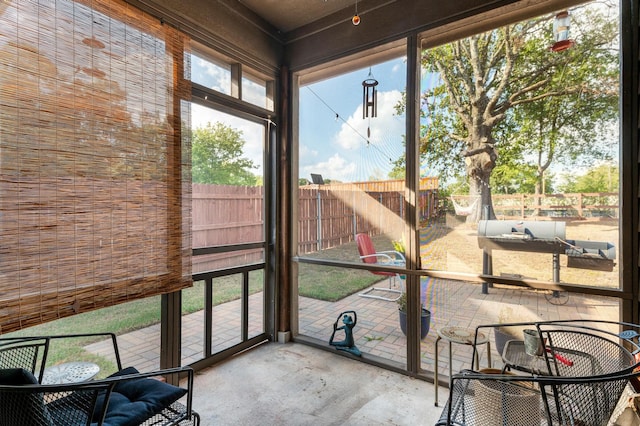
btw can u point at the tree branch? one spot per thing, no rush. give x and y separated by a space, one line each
506 76
465 78
485 148
455 102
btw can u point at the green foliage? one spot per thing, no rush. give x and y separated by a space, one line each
217 156
398 171
505 101
603 178
517 179
460 186
580 125
398 245
402 302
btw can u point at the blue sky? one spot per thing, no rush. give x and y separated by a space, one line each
339 148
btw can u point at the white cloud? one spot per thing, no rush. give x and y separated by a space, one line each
400 66
353 133
254 93
335 168
307 154
210 75
360 149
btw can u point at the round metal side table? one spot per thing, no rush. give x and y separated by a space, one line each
462 336
70 372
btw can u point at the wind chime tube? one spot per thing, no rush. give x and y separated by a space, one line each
369 97
364 101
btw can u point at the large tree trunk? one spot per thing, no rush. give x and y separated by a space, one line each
479 168
480 163
484 208
538 195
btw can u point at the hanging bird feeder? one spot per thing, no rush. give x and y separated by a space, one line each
369 97
355 20
561 25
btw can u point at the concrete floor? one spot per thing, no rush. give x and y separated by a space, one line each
295 384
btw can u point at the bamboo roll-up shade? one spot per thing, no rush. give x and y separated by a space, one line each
94 165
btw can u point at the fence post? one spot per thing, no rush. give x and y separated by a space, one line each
355 218
380 200
487 260
319 225
580 205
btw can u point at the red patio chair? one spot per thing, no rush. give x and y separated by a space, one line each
368 254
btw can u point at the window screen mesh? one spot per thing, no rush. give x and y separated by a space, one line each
94 192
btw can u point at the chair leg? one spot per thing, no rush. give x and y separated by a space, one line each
395 297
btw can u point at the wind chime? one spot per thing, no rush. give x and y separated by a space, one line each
369 99
561 25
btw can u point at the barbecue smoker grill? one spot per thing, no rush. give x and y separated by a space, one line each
542 237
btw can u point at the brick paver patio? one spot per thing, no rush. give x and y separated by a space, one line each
377 331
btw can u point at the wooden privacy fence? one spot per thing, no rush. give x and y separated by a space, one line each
577 205
329 215
225 215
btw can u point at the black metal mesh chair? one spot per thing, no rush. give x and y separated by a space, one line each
578 378
24 352
574 347
47 405
587 348
499 400
83 403
126 397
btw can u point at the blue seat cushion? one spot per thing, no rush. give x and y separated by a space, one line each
17 377
134 401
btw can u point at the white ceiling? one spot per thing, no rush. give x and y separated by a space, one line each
287 15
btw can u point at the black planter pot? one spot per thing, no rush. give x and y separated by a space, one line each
425 322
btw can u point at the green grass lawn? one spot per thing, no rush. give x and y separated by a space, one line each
332 283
